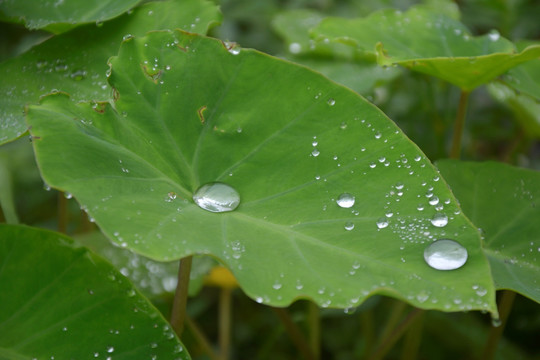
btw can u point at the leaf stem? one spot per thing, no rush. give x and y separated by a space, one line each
62 213
201 338
412 340
495 334
178 312
387 343
225 310
367 326
459 124
295 334
314 326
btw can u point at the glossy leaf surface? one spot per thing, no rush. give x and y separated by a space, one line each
428 42
60 14
76 62
68 295
504 202
191 110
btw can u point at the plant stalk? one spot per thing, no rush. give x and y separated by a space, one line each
296 335
178 312
201 338
495 334
387 343
314 326
413 339
62 213
225 310
459 124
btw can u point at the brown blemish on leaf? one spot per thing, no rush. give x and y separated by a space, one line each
200 113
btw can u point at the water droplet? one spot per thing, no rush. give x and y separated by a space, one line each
378 135
343 125
439 220
315 152
382 223
331 102
277 286
496 322
494 35
217 197
170 196
110 349
433 200
345 200
445 254
349 226
78 75
68 195
295 48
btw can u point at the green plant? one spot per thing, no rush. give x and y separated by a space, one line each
186 147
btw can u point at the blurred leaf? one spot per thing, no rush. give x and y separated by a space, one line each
525 108
290 148
525 78
428 42
76 62
61 15
54 294
504 202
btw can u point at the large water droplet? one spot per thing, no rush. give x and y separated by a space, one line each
217 197
439 220
345 200
382 223
445 254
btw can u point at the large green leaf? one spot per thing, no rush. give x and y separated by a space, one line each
526 77
76 62
59 301
62 14
503 202
190 110
428 42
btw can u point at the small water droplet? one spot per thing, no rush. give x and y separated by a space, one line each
277 286
331 102
217 197
439 220
445 254
315 153
345 200
382 223
496 322
295 48
349 226
494 35
378 135
433 200
110 349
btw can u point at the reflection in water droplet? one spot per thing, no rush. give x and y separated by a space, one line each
349 226
345 200
217 197
382 223
331 102
445 254
439 220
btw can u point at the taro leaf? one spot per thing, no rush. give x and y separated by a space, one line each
333 60
525 78
525 108
60 15
504 202
55 294
76 62
430 43
190 110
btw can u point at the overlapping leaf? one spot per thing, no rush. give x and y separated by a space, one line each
59 15
428 42
504 202
337 61
72 304
190 110
76 62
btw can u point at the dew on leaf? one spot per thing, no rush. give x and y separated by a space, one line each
315 153
345 200
445 254
433 200
295 48
331 102
439 220
382 223
217 197
349 226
